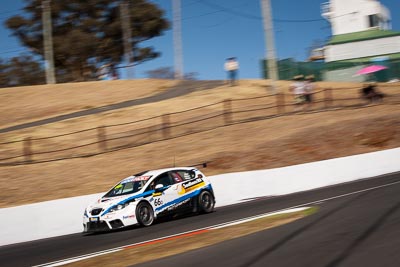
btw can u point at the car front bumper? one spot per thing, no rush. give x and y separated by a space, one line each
109 221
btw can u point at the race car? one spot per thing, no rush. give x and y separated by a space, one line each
146 196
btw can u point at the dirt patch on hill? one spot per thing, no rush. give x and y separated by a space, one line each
317 142
28 103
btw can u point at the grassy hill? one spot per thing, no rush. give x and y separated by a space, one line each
256 135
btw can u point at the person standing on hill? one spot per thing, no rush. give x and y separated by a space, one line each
297 89
231 67
309 88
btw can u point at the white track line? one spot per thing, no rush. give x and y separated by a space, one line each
217 226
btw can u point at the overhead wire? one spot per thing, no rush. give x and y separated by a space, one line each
12 51
10 11
249 16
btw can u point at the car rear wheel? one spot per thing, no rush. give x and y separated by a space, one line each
144 214
206 202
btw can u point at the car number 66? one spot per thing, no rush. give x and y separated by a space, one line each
158 202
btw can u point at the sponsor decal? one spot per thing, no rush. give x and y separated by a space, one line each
191 185
177 205
141 178
159 209
128 217
135 179
186 176
127 180
157 194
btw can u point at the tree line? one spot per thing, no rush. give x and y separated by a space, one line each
86 36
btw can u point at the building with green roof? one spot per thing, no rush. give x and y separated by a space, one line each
362 36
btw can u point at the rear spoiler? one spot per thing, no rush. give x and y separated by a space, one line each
204 165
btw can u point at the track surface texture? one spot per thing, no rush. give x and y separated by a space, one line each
360 229
357 230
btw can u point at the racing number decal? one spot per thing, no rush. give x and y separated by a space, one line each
158 202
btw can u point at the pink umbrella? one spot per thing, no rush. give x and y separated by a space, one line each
371 69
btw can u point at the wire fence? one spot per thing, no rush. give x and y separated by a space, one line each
109 138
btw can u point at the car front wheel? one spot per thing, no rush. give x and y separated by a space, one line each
144 214
206 202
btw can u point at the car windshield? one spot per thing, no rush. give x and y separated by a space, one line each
128 186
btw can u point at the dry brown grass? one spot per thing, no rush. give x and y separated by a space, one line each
29 103
277 142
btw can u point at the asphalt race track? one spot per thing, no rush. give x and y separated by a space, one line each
357 230
360 229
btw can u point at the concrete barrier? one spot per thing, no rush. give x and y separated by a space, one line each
64 216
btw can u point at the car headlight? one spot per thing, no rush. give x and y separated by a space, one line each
119 207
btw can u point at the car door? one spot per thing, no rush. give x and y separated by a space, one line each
165 193
181 178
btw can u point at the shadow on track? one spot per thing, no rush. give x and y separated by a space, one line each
292 235
368 232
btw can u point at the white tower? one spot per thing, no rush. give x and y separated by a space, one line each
349 16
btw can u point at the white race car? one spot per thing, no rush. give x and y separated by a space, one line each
143 197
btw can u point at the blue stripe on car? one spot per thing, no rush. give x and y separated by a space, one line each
183 198
145 194
148 193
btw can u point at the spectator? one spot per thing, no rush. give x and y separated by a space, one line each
370 92
232 67
103 72
309 88
114 73
297 89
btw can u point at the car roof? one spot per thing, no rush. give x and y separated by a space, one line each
160 171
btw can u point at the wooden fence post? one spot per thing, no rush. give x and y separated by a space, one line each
280 103
28 149
227 111
166 126
102 138
328 97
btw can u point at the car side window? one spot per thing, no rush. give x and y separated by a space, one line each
127 188
176 176
186 175
150 186
164 179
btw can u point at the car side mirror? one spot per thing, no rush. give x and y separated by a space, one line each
159 187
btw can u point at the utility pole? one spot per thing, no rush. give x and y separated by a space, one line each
269 41
177 33
127 37
48 42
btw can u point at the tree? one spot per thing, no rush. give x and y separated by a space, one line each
168 73
20 71
160 73
3 75
88 34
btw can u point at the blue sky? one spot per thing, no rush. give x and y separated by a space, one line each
213 30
